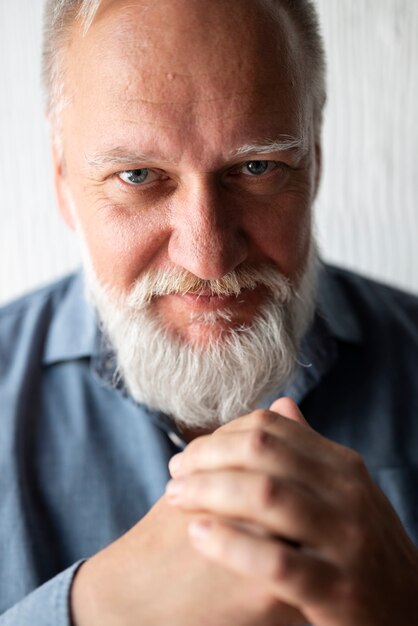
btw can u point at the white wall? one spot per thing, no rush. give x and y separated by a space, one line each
368 208
367 212
34 244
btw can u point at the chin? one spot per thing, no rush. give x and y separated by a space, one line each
208 329
203 335
198 362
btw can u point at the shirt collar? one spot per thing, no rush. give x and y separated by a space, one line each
74 332
334 323
336 306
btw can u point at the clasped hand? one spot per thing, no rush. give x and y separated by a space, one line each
274 500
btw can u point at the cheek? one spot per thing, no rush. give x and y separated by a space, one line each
123 244
283 234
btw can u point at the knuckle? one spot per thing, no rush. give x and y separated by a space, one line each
349 594
356 464
258 442
195 447
356 538
263 418
196 452
268 492
189 454
357 496
281 564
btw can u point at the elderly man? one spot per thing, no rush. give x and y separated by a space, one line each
187 156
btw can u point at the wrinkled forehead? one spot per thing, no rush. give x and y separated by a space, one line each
224 70
194 42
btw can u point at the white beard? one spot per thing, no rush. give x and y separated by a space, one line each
202 388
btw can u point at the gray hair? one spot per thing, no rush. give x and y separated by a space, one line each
304 16
59 16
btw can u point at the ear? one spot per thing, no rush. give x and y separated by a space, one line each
61 188
288 408
318 166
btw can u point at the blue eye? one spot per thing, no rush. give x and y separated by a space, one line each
257 168
135 177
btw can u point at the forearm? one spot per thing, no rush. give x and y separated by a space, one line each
100 593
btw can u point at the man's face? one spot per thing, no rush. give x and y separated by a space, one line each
166 150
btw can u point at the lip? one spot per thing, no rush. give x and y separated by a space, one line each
208 300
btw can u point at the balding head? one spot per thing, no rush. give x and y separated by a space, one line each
64 17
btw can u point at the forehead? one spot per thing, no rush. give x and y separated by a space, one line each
206 67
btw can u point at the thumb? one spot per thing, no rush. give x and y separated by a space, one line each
288 408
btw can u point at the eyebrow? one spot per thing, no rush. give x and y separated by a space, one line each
285 143
117 156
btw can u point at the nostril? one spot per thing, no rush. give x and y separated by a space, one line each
207 255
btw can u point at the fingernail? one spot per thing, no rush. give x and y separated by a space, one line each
199 531
175 463
174 489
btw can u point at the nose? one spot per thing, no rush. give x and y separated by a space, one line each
206 238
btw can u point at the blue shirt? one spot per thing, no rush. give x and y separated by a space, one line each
81 462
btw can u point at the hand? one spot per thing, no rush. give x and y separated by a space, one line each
276 502
153 577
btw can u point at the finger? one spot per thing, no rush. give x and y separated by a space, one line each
271 421
255 450
301 435
295 576
259 442
282 508
289 409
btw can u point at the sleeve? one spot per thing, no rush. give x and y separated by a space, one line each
49 605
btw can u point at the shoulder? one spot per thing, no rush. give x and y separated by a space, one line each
50 292
371 291
35 303
377 309
371 393
24 322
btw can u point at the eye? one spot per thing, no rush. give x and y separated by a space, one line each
258 168
138 177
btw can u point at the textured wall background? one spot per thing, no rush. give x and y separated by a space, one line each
367 212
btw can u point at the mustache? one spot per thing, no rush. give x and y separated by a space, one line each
157 283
